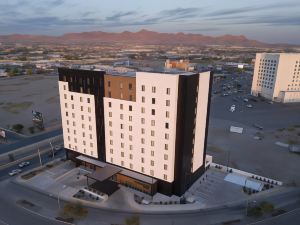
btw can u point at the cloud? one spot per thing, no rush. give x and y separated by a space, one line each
119 15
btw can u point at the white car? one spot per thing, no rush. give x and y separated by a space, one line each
232 108
23 164
249 106
246 100
15 172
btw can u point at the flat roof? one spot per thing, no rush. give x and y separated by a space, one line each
244 181
125 172
104 173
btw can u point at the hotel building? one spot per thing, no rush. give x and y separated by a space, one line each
150 128
277 77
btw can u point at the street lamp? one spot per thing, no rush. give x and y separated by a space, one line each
58 199
52 149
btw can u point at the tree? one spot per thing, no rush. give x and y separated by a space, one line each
134 220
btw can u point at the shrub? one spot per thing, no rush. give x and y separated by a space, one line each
18 128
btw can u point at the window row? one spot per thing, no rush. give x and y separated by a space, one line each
153 89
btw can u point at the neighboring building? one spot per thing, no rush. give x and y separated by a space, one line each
153 126
277 77
184 65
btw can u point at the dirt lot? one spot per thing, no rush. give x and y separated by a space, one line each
20 95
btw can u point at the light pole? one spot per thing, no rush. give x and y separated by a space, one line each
58 199
52 149
40 157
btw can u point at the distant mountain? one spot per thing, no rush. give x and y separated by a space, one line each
140 37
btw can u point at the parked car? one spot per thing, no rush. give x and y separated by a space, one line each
23 164
15 172
232 108
249 106
246 100
258 126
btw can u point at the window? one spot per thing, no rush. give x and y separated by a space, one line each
165 157
122 163
108 83
89 109
166 146
67 114
153 112
80 99
130 98
153 89
152 122
109 94
130 86
143 99
81 108
152 143
153 100
121 95
143 131
121 116
82 125
111 142
121 85
110 123
65 96
64 85
72 106
152 163
143 110
130 108
167 114
130 156
168 91
130 165
142 169
90 127
130 118
83 142
122 136
143 87
165 177
143 141
167 136
130 128
167 125
109 104
121 126
88 100
130 137
152 133
143 120
82 117
122 154
142 160
74 124
152 153
111 151
110 133
71 97
167 102
110 114
66 105
121 106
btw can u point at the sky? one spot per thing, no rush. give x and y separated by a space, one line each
271 21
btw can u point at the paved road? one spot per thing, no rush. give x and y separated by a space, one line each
29 140
33 163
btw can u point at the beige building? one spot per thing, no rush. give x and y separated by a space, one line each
277 77
152 126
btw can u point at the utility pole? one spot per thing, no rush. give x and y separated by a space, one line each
228 157
40 157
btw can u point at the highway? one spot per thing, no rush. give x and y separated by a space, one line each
29 140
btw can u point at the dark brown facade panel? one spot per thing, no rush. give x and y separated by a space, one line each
120 87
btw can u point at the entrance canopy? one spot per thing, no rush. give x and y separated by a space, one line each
104 173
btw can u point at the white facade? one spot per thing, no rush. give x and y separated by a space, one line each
78 121
137 139
277 77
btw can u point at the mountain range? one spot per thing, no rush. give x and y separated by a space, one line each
140 37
